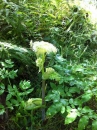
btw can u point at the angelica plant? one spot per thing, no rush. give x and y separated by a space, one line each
42 49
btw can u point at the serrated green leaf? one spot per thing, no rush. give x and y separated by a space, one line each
24 85
71 116
12 74
83 122
7 64
94 125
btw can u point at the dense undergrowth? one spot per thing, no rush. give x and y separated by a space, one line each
70 74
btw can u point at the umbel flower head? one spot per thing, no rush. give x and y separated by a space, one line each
41 47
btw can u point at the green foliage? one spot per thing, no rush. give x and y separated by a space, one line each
16 94
71 74
76 88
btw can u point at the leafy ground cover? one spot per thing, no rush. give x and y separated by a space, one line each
55 73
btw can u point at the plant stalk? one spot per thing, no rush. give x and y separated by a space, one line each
43 99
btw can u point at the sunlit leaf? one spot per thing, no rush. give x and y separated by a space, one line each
72 115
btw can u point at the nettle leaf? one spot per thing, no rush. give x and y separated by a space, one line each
72 115
83 122
94 125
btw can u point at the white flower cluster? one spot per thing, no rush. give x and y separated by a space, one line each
43 47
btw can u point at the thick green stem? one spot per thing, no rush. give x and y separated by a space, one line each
43 99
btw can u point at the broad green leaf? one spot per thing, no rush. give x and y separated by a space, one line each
8 97
10 89
2 86
86 97
1 91
62 109
64 102
53 109
78 102
83 122
71 101
2 109
94 125
71 116
86 109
